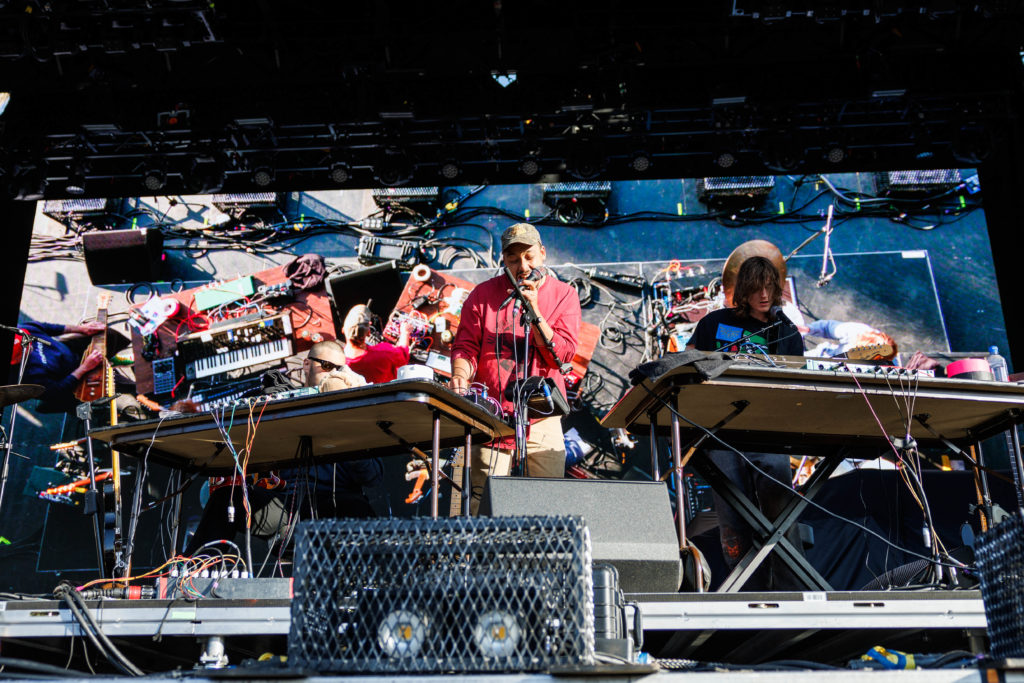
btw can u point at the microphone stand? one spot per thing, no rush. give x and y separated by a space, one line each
528 318
27 340
521 373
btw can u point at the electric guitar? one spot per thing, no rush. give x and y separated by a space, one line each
93 383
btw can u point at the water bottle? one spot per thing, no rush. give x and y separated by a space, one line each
998 364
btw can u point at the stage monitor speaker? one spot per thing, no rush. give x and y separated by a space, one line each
631 525
447 596
118 257
382 283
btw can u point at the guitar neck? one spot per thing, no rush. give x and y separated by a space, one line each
99 341
93 385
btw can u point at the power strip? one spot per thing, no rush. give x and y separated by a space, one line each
839 366
226 588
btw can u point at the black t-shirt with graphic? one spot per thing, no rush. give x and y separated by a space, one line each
719 330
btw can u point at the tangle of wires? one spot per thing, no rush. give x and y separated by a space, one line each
944 561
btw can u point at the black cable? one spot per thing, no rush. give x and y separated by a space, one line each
94 632
113 650
950 657
37 667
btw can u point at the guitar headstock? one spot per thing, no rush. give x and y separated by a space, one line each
871 352
103 301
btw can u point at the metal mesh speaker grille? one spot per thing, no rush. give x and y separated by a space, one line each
422 595
1000 558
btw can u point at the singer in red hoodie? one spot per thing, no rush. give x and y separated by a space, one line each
490 343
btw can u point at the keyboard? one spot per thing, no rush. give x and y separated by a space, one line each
225 394
233 347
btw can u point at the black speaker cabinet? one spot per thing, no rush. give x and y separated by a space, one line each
117 257
631 525
381 283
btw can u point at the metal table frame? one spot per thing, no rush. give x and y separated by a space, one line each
996 407
185 442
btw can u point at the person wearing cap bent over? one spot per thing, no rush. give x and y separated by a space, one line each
490 336
378 363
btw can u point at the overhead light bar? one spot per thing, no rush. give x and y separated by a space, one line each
247 200
387 196
929 182
559 192
735 188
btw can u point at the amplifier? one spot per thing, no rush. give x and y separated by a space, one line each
122 256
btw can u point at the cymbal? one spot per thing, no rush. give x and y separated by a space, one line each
16 393
742 253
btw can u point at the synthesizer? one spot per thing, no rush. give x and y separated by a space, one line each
226 393
235 346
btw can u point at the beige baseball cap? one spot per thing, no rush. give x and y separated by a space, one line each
520 233
358 316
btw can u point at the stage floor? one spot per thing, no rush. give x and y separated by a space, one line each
737 628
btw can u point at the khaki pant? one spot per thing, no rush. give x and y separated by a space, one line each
545 457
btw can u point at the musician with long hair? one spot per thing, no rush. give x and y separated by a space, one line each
748 328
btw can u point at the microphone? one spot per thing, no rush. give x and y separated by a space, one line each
534 275
775 313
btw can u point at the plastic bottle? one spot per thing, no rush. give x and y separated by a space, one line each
998 364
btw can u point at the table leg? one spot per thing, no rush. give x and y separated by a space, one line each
677 472
467 479
677 469
435 465
773 533
655 469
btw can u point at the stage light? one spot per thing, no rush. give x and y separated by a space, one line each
586 161
263 176
529 166
154 179
640 162
504 78
76 185
725 159
27 183
206 175
339 173
76 179
450 170
497 634
402 633
972 144
835 153
394 168
5 99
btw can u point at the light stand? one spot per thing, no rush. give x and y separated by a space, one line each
27 340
